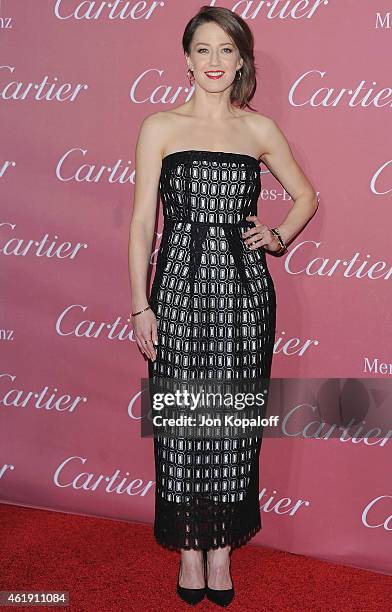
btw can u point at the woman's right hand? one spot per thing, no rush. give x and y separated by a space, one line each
145 329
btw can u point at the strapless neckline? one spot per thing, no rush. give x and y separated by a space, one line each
202 152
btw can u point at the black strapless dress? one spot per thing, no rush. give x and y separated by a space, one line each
215 304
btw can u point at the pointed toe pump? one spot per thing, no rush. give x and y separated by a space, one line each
221 597
190 596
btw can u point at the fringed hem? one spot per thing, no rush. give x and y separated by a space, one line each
234 542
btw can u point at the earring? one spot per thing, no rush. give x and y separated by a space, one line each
190 75
239 75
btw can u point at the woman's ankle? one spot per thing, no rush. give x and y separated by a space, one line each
191 569
191 557
218 568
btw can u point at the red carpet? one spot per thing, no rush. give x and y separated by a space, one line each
111 565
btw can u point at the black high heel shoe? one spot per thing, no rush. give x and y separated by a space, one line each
221 597
191 596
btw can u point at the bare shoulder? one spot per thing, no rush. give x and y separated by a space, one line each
257 118
159 118
157 128
153 124
261 124
266 132
153 133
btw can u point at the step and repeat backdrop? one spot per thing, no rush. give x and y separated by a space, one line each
77 78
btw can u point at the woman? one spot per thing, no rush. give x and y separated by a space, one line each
211 312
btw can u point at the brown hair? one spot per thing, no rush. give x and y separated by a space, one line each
244 88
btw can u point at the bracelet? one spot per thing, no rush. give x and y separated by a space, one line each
282 245
133 314
279 250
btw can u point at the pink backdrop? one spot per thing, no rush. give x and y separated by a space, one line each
74 88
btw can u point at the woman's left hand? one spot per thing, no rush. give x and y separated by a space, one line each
259 236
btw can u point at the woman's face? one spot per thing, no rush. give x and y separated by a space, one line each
211 52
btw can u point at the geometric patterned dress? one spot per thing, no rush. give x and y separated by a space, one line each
215 304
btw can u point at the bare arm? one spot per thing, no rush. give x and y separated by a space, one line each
141 230
279 159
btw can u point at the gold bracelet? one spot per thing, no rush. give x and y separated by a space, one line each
133 314
282 245
279 250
